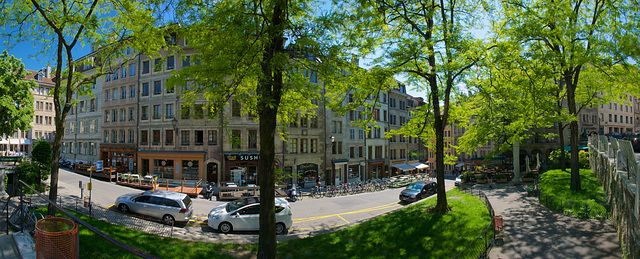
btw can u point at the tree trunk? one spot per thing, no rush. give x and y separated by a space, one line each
516 161
563 158
269 94
573 127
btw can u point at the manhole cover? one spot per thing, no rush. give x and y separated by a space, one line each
455 197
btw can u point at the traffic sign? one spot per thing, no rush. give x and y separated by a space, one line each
99 166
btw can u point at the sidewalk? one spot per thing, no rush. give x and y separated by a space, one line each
533 231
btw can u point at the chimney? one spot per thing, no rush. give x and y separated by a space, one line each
47 73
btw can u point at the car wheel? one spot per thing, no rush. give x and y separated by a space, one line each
280 229
418 197
225 227
123 207
168 219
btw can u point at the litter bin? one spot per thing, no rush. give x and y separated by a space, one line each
497 222
56 238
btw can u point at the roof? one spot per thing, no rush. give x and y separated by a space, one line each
32 75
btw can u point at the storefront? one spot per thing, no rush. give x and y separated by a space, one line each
241 168
307 172
376 169
178 165
122 158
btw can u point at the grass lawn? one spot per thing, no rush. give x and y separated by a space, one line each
412 232
556 183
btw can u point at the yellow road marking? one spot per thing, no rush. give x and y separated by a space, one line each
111 206
343 219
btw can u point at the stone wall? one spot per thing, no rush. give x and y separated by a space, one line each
620 190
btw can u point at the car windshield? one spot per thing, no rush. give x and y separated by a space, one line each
415 187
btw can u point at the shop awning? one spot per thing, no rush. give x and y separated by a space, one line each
460 164
419 165
404 167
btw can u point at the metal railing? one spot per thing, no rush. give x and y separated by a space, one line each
482 244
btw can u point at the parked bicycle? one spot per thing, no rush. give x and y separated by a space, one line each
22 217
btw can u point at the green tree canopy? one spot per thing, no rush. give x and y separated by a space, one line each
16 99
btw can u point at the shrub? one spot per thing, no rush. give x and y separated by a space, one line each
554 159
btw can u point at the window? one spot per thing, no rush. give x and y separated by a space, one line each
115 75
199 137
157 65
157 87
131 136
303 121
156 112
107 77
199 111
213 137
352 152
92 107
130 114
114 115
185 112
156 137
314 146
360 133
132 70
106 136
235 110
186 61
184 138
168 137
293 145
123 114
123 93
92 126
115 94
145 67
336 127
170 63
106 116
236 139
253 139
303 145
144 113
169 111
124 72
144 137
610 117
122 136
114 136
106 96
132 92
145 89
313 121
352 133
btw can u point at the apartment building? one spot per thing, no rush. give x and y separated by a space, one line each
21 142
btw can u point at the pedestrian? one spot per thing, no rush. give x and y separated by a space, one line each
318 181
489 177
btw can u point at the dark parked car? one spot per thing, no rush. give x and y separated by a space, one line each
634 138
417 190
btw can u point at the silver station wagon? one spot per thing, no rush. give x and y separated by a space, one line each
166 205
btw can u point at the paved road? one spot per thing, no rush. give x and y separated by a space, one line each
311 216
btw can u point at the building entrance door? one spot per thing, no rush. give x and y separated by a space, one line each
212 172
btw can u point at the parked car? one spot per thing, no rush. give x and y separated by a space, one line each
417 190
244 214
634 138
458 180
166 205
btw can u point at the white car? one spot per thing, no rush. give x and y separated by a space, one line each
458 181
244 214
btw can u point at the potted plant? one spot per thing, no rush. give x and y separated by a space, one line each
528 177
481 178
501 178
466 177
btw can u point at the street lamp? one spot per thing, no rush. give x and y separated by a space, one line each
328 146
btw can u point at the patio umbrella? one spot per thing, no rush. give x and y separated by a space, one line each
526 159
538 161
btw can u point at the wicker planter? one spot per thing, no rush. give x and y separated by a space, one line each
502 180
527 179
482 180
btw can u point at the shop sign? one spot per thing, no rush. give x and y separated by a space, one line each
243 157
